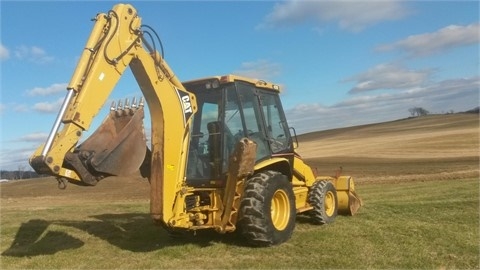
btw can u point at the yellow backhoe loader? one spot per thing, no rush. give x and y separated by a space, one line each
221 154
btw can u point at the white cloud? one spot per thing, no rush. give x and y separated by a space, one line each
456 94
447 93
33 54
48 107
349 15
13 159
388 76
49 90
15 107
260 69
4 52
20 107
34 137
442 40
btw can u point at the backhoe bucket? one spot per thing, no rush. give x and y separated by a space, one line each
117 147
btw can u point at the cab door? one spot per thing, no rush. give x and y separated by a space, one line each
264 120
274 122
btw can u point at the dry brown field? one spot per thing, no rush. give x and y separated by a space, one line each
435 147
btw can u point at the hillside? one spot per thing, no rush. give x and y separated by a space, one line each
453 135
423 148
428 147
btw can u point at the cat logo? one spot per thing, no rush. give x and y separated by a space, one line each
187 106
184 98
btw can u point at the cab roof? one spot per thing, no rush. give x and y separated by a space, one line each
232 78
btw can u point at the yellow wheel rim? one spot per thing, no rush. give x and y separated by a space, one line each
329 203
280 210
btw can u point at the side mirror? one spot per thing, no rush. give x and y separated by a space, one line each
294 137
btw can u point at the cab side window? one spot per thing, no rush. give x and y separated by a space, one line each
275 125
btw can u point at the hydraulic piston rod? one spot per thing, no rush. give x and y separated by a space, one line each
58 122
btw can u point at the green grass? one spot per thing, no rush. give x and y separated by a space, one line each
432 224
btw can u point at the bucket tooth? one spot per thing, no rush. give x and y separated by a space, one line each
134 103
119 111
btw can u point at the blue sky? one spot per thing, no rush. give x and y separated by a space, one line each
340 63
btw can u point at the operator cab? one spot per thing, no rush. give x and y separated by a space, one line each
230 108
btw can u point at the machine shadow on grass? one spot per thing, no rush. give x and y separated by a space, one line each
133 231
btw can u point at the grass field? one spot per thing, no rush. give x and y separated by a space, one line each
418 178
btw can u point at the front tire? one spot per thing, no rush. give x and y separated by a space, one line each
323 198
267 210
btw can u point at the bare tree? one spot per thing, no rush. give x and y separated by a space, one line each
21 170
418 111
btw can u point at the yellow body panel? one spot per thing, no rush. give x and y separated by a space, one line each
303 172
301 195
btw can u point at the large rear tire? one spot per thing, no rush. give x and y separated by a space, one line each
267 210
323 198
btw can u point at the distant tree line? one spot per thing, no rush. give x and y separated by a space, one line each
18 174
419 111
474 110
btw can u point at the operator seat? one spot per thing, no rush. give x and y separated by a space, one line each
215 147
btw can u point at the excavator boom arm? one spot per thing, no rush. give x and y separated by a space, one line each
115 43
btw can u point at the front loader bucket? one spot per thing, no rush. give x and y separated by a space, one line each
348 200
354 203
117 147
